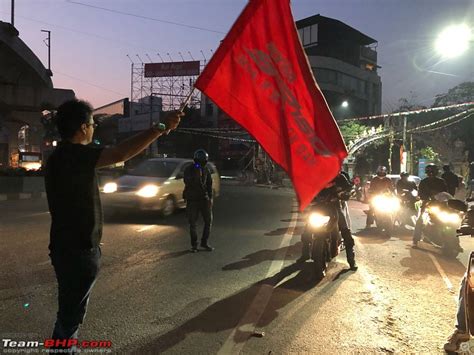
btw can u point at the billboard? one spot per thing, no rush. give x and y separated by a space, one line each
172 69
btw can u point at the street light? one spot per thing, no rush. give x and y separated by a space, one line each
345 104
453 40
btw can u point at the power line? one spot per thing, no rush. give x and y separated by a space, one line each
144 17
91 84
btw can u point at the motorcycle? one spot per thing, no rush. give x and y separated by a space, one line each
324 236
385 207
407 213
442 218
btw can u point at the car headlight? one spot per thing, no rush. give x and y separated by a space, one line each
386 204
317 220
110 187
451 218
148 191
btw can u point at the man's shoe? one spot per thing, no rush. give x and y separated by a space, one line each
193 250
414 245
207 247
302 259
455 340
353 266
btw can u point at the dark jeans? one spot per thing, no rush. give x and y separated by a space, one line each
193 209
419 226
76 272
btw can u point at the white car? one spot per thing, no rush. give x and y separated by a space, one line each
154 185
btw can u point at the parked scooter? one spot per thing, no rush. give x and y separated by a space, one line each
442 219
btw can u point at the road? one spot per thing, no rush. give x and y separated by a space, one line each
248 296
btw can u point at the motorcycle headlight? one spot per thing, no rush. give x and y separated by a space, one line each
109 187
148 191
414 193
451 218
317 220
386 204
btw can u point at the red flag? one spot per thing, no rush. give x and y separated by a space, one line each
261 78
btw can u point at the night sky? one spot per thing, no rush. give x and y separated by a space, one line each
89 45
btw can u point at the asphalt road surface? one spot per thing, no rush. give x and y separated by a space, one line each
249 295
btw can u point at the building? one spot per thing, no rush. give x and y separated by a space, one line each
26 90
344 63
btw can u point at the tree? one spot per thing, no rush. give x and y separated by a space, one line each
352 130
459 94
464 129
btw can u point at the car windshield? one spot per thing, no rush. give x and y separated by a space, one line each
154 168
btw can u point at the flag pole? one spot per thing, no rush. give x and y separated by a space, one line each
186 100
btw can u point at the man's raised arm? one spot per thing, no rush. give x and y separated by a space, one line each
135 145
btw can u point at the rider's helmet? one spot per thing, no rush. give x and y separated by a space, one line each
201 157
446 168
404 175
381 171
431 170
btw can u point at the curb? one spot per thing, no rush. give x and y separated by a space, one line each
22 196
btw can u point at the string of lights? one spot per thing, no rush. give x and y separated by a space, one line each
216 136
409 113
446 125
447 119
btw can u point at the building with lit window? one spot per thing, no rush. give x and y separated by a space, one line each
344 63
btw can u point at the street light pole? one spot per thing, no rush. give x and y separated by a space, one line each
48 44
13 13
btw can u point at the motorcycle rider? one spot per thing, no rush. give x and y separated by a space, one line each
198 196
428 188
380 183
451 180
470 181
405 184
339 187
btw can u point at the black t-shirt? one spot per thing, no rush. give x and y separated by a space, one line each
451 179
405 185
431 186
73 197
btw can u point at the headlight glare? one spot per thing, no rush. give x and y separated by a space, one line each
110 187
386 204
451 218
317 220
148 191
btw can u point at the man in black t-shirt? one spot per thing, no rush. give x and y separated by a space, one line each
429 187
74 205
451 179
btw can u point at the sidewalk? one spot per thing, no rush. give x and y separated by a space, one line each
22 196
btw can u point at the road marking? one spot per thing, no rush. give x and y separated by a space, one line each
255 311
36 214
448 283
143 229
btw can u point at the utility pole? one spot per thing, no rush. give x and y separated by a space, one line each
48 44
406 154
13 13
